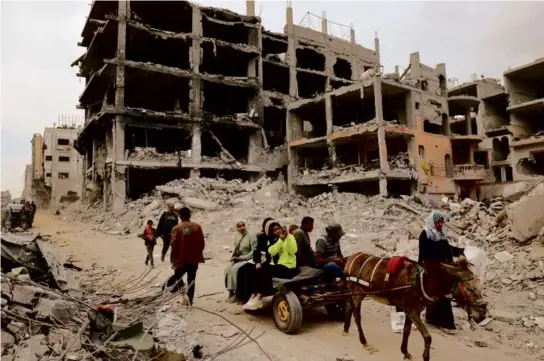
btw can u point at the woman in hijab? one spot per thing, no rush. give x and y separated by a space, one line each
246 275
434 246
244 245
275 258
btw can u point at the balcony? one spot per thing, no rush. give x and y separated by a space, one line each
469 172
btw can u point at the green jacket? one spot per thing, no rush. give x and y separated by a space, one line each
287 250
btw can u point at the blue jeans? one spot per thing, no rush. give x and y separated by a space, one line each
332 270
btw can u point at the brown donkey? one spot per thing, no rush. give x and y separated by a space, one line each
403 283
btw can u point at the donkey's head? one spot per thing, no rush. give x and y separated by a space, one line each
467 291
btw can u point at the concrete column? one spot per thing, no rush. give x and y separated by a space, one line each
383 186
118 152
503 174
293 131
382 146
291 52
196 144
250 7
255 144
324 23
328 118
468 123
195 93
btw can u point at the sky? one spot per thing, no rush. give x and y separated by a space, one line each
38 42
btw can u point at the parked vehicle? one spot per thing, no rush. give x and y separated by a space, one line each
15 215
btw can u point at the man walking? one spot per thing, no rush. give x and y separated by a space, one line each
187 247
167 222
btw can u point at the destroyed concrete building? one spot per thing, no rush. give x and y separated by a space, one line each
202 92
385 134
501 126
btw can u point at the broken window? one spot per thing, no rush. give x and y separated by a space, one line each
394 106
424 85
461 153
350 108
501 149
224 100
398 187
63 175
274 49
217 138
157 143
313 158
313 113
348 153
224 60
481 158
533 165
175 16
310 85
156 91
509 174
233 33
342 69
310 59
274 126
397 152
64 159
497 174
275 77
145 47
140 181
421 151
429 127
63 141
417 105
49 158
495 115
443 85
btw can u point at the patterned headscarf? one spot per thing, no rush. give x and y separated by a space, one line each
430 227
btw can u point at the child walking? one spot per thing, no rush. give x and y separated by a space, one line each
150 238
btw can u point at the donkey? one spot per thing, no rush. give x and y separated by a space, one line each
403 283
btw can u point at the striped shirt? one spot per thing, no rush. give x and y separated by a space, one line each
327 248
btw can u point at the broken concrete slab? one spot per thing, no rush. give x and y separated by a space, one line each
7 339
25 295
199 203
526 216
36 344
503 256
151 207
63 310
25 354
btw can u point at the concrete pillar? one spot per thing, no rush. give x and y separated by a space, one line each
118 184
468 123
503 174
255 145
383 186
291 52
377 48
415 65
382 146
293 131
196 144
250 7
328 118
324 23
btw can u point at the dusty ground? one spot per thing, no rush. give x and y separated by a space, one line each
120 257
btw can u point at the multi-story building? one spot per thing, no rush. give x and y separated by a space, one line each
62 164
27 188
176 90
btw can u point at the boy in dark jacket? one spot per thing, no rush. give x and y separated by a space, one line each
150 238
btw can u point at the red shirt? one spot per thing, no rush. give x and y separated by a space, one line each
187 244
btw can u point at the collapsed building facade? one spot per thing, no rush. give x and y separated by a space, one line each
176 90
503 125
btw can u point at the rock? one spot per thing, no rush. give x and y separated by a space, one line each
529 323
63 310
503 256
151 207
7 358
506 316
44 308
36 344
532 296
19 271
513 192
24 294
536 253
17 329
25 354
539 321
61 338
7 339
526 216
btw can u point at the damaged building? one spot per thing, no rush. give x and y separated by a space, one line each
175 90
503 126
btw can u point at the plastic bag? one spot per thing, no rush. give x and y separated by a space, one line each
478 259
397 321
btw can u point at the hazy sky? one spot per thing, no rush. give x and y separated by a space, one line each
39 42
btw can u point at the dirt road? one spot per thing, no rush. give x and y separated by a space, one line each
319 339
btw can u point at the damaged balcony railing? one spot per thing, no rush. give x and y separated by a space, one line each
469 171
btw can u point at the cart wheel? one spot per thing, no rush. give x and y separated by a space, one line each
336 311
287 312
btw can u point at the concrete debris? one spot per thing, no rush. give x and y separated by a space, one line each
526 216
504 256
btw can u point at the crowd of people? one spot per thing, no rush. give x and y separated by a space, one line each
278 251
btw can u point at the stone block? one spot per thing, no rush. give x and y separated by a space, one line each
526 215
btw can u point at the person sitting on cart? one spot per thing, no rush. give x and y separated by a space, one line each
244 245
328 253
275 258
305 253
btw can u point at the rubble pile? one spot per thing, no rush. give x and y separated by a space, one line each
367 124
309 176
44 318
150 153
400 160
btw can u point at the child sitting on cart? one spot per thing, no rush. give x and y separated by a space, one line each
275 257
